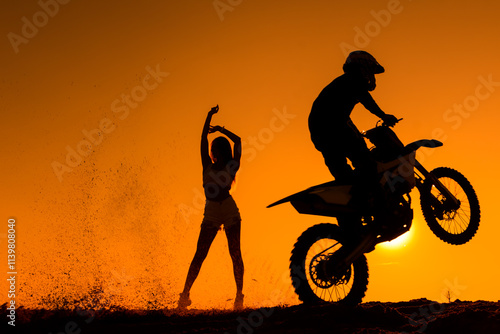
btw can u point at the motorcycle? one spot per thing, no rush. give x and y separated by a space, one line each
328 262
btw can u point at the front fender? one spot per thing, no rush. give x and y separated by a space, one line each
431 143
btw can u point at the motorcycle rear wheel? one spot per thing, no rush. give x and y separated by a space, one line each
309 280
454 226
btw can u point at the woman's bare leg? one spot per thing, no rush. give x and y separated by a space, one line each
207 236
233 241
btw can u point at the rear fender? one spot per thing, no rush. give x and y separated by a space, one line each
328 199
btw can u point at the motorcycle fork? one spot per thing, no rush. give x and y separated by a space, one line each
450 200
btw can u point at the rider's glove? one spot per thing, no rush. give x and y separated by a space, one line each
390 120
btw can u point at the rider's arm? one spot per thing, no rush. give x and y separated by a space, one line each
369 103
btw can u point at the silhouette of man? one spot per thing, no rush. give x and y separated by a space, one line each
332 130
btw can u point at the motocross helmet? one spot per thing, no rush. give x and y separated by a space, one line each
364 64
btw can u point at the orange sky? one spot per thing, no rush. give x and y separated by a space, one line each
146 74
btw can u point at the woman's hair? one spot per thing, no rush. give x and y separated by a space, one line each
221 150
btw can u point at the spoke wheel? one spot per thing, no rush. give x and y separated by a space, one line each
309 269
454 224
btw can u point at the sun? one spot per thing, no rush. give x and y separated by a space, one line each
399 242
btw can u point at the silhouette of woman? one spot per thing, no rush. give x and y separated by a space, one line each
219 171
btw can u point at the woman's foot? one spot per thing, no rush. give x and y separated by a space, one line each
184 301
238 301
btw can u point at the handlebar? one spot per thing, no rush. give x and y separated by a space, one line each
381 123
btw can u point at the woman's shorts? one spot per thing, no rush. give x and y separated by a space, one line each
221 213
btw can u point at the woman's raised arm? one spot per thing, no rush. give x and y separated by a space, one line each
235 138
205 155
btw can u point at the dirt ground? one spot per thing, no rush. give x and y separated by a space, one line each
415 316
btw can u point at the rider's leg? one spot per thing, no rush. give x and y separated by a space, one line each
337 164
359 154
367 185
330 144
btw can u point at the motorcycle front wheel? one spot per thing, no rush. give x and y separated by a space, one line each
309 275
454 225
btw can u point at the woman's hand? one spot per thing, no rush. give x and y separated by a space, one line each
205 155
214 110
215 129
